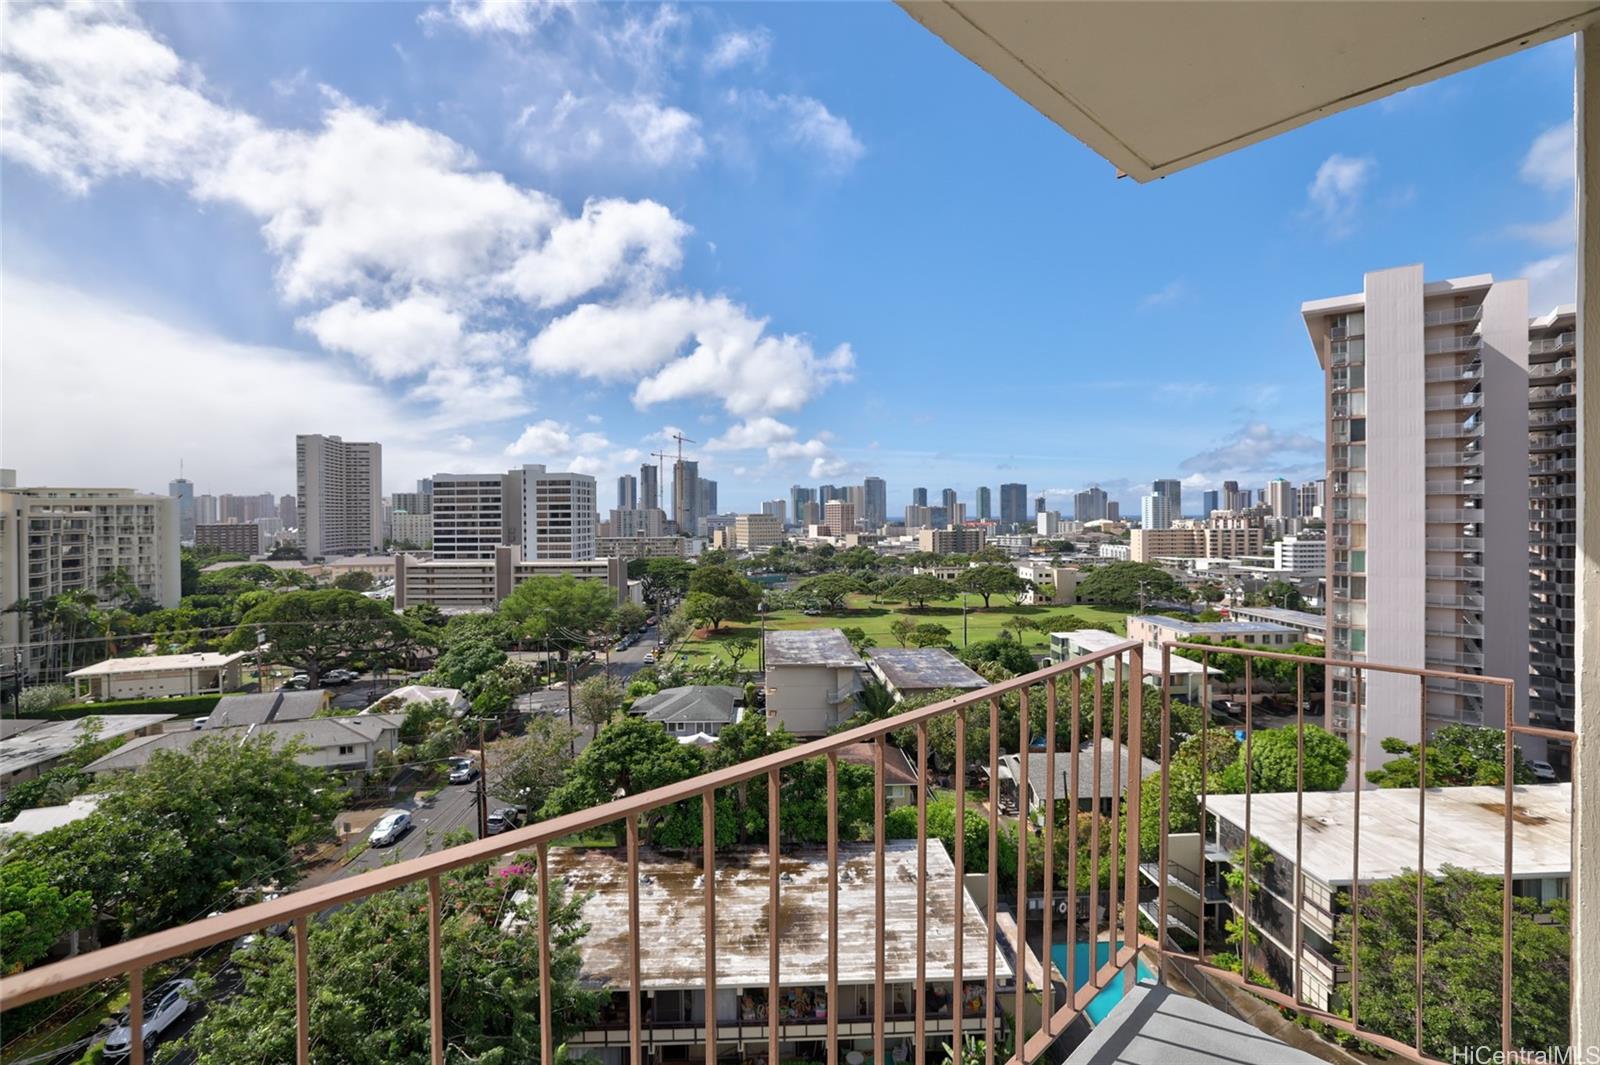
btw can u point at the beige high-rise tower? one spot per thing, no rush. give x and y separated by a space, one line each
340 495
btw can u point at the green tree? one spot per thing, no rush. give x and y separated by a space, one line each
563 613
371 964
528 769
286 553
662 578
1460 962
42 698
1215 749
990 580
1274 761
597 701
1276 593
830 589
718 594
465 661
902 629
1007 653
355 581
1127 584
66 779
1456 755
917 589
738 650
190 826
859 640
319 630
1019 625
629 617
930 634
630 757
34 913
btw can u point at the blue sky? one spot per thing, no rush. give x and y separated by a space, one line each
810 237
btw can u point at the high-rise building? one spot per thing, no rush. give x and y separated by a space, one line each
1427 388
1113 510
425 486
1553 492
686 510
1232 498
947 500
1172 490
1089 505
649 487
877 511
985 504
205 509
810 513
1155 511
1210 503
1038 505
286 511
475 513
1283 499
559 517
776 508
414 502
757 532
799 496
182 490
918 517
339 484
708 498
55 540
1014 504
956 514
627 492
643 521
919 497
856 496
839 516
827 493
234 538
1308 497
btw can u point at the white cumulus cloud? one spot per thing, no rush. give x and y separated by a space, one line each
739 48
1335 193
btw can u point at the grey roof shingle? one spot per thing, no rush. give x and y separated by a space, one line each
811 647
253 708
316 732
1108 751
693 702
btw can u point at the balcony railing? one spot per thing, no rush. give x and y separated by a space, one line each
1555 343
1451 315
1056 690
1436 345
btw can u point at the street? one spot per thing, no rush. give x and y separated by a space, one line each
454 807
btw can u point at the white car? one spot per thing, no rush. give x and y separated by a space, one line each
162 1008
1543 772
389 829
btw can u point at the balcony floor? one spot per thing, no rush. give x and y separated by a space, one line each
1158 1026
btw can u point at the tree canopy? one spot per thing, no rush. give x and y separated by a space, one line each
917 589
662 577
1006 652
718 594
1456 755
319 630
1127 584
563 613
990 580
830 589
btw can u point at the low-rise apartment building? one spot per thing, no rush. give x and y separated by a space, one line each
232 538
1048 582
1227 539
757 532
1465 830
642 546
27 753
961 540
1301 555
1186 675
473 585
1153 630
671 960
1313 628
812 677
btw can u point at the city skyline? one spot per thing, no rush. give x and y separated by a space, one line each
765 135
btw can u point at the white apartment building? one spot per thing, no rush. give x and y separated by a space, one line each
478 585
1552 496
1048 523
1214 538
413 529
642 546
339 485
559 515
55 540
642 521
1427 387
475 513
1300 555
1155 512
840 516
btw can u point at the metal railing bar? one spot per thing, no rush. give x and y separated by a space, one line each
1023 757
773 856
635 993
1422 835
1072 833
1130 876
960 991
1355 859
1509 771
1343 663
302 993
1166 771
880 987
1249 772
436 971
922 903
1299 825
136 1016
1048 924
547 1048
1116 797
1094 823
994 875
833 908
708 873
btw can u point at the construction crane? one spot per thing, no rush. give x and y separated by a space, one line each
661 479
682 440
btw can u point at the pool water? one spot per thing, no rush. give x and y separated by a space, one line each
1112 993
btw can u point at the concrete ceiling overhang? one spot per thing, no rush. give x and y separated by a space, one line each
1156 87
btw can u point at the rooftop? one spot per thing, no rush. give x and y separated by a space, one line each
14 726
693 702
897 766
1093 641
1465 828
672 916
811 647
159 663
422 693
256 708
1222 629
1156 1024
49 742
317 732
1109 755
922 668
44 818
1298 619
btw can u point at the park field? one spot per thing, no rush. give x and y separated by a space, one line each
874 618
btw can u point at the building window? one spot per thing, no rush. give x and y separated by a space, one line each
347 749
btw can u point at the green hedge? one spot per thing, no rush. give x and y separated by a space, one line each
182 705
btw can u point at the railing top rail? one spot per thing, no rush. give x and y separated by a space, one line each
140 953
1346 663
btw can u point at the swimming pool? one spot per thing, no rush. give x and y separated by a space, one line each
1112 993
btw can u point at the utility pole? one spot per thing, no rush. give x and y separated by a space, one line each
261 672
483 783
572 727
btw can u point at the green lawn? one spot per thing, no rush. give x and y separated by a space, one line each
874 618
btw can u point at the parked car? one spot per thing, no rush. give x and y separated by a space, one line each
338 676
1543 772
463 774
504 819
162 1009
199 722
298 682
390 828
1230 707
649 657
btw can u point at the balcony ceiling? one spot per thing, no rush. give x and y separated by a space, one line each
1158 87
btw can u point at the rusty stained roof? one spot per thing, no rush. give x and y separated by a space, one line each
672 917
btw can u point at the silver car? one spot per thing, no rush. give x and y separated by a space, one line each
162 1009
389 829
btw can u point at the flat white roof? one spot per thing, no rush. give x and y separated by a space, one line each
1465 828
1092 641
44 818
159 664
672 916
49 742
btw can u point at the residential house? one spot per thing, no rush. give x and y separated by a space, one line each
1187 675
260 708
693 710
812 677
26 755
153 676
911 671
1103 754
344 744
